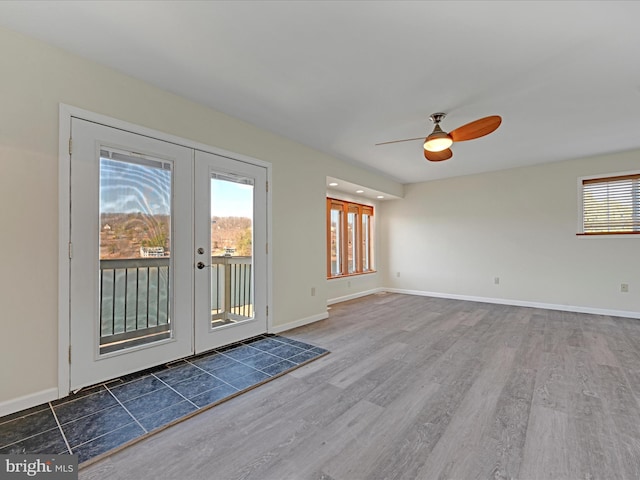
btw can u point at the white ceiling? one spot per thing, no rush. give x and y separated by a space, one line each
343 76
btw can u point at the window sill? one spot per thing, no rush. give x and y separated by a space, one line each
609 235
349 275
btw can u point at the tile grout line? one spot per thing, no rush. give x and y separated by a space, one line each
64 437
20 417
104 435
282 359
86 396
244 364
148 375
48 406
270 376
189 362
262 371
265 351
211 374
126 410
171 388
29 437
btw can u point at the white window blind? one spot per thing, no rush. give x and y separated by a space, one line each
611 205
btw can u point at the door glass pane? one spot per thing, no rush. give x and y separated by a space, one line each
231 249
351 242
135 250
336 235
366 242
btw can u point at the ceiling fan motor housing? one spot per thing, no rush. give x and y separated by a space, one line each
437 117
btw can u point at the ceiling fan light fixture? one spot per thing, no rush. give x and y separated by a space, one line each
438 141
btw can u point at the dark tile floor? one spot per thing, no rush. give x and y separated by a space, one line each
105 416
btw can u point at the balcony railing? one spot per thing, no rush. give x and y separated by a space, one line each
231 294
134 298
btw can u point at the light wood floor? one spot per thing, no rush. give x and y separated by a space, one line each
423 388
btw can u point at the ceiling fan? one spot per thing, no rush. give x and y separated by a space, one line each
437 143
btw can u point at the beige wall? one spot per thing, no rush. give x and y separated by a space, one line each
455 236
35 79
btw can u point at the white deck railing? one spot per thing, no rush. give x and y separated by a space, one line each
135 298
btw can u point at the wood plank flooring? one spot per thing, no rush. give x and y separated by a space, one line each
423 388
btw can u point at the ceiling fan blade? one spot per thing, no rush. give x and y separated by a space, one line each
477 129
398 141
438 156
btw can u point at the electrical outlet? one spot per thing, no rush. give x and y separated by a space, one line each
624 287
313 291
349 284
398 274
496 281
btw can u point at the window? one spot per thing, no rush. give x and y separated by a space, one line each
611 205
349 238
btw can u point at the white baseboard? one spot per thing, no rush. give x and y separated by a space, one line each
519 303
33 399
298 323
331 301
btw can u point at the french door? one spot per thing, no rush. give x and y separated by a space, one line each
164 257
231 244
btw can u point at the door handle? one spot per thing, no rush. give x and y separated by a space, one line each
201 265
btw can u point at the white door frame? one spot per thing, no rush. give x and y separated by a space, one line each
66 112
